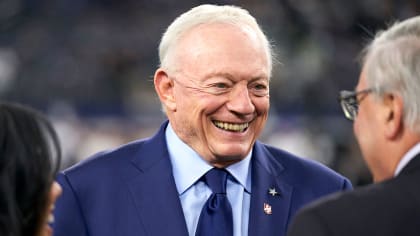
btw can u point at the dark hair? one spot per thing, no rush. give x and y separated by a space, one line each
29 159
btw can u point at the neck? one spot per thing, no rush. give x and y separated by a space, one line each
392 156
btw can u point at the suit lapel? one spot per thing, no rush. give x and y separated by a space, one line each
159 208
154 191
269 213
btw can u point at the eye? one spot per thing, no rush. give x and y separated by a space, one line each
220 85
260 87
218 88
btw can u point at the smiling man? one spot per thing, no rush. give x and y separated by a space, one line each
204 172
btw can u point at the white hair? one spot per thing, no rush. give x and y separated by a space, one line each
392 63
207 14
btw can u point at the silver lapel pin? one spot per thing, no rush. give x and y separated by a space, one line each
273 192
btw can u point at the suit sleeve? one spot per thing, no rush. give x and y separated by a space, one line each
68 217
308 223
347 185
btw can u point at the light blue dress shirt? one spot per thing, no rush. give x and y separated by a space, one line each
188 167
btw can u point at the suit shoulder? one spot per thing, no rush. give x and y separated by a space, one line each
107 159
377 209
306 168
374 197
375 204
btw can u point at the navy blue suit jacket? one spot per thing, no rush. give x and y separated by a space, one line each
389 208
130 191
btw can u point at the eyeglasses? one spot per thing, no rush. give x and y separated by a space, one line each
350 103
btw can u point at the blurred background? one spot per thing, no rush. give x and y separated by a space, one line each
89 65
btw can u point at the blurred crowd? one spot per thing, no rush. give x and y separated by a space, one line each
89 64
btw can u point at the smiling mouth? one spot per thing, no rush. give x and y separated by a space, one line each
232 127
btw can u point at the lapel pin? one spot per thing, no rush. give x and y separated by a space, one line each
273 192
267 209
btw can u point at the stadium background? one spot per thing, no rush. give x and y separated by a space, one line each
89 65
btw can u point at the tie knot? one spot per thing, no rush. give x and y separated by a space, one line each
216 180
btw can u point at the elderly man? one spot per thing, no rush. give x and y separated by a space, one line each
203 173
386 111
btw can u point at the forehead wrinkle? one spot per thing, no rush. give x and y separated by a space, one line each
226 75
193 46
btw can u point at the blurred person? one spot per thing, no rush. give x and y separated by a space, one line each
213 84
29 160
385 108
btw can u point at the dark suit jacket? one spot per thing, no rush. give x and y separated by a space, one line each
388 208
131 191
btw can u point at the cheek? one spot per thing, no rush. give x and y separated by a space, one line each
365 131
206 105
362 121
356 128
262 106
192 115
360 126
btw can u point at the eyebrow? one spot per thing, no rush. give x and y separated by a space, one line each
232 77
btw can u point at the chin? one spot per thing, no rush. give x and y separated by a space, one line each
46 230
230 156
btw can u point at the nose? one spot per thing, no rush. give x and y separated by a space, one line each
56 191
240 101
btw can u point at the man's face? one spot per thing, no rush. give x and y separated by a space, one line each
54 193
367 127
220 89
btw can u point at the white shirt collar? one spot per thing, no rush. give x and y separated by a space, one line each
407 158
183 157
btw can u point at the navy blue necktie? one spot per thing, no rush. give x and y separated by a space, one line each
216 215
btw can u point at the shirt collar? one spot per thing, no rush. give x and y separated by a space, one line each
407 158
183 157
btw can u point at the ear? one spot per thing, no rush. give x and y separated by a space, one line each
394 108
164 87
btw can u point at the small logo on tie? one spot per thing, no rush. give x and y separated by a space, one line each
267 209
273 192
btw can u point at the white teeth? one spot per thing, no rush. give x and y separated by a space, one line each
231 126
